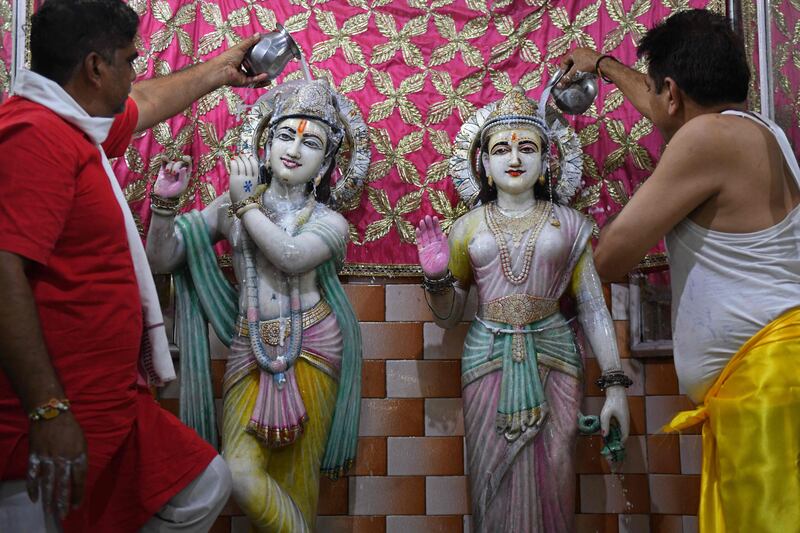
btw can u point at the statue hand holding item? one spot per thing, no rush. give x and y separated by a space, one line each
615 407
173 177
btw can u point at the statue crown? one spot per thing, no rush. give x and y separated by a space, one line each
515 110
514 103
312 100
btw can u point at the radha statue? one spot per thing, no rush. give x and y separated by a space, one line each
292 382
521 370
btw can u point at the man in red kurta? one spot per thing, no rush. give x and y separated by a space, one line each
75 414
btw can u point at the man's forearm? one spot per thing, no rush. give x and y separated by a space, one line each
630 82
161 98
23 355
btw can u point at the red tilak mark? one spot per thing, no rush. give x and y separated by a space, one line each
513 136
301 127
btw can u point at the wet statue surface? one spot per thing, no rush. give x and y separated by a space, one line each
292 381
521 368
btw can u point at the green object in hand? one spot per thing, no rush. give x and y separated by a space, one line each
613 448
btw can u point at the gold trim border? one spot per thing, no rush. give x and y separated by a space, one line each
378 270
653 261
373 270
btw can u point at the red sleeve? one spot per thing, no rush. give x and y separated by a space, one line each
37 186
122 130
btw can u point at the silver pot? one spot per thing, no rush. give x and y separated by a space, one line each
271 54
575 97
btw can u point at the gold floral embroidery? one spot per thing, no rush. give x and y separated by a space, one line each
392 216
396 98
394 157
340 38
458 41
626 22
417 176
223 28
172 29
399 40
454 98
517 38
573 31
629 144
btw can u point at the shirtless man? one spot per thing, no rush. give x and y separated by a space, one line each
724 194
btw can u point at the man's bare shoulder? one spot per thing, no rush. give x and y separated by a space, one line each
715 138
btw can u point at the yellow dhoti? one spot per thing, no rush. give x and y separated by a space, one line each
751 436
278 488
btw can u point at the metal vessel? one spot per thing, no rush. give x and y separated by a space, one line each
577 96
271 54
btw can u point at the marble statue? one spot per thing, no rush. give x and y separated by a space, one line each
292 381
521 368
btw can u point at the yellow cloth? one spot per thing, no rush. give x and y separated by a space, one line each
751 436
278 488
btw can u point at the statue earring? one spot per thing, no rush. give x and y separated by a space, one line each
553 217
490 180
316 182
541 179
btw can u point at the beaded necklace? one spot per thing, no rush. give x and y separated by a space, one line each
501 224
281 363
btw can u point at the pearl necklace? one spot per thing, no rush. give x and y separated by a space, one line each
501 224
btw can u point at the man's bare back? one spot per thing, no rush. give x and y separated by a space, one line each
754 178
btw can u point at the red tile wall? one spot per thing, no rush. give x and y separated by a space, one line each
409 475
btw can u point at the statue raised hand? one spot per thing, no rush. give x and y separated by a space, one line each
434 252
173 177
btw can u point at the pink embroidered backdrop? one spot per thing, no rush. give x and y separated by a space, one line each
416 69
6 48
785 33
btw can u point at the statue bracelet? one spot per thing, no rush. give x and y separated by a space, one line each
236 208
613 377
246 207
438 286
163 206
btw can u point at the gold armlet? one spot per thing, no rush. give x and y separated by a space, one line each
245 208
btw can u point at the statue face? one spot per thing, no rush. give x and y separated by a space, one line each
297 150
514 159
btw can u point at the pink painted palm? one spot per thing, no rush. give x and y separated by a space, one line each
173 177
432 247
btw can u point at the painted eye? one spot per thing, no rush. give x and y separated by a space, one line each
313 143
284 136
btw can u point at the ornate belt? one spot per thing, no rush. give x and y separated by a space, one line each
271 329
518 309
